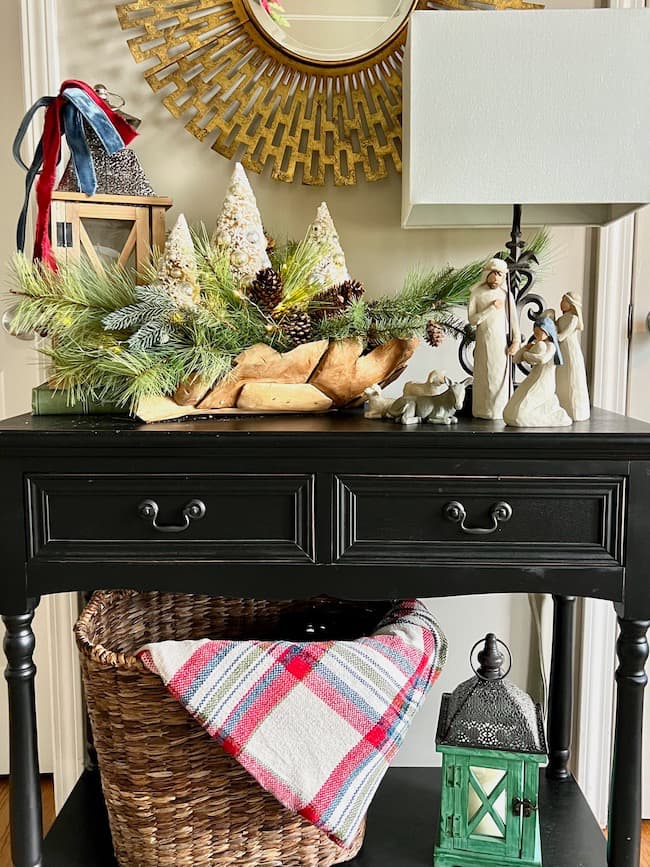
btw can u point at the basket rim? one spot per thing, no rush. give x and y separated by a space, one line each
97 652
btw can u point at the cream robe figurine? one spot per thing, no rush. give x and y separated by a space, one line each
535 403
493 312
572 388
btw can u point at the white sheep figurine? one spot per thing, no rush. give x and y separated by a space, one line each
432 408
377 405
435 383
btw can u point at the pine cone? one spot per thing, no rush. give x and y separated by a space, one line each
435 333
266 290
350 291
374 338
297 326
336 299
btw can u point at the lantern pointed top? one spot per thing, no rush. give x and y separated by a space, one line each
491 660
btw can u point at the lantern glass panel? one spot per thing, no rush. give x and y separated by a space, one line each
112 241
486 802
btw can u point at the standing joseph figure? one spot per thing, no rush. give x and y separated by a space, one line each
571 376
493 312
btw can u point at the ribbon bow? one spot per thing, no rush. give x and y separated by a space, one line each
65 113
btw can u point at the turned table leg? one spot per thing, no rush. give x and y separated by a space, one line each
24 782
560 702
624 838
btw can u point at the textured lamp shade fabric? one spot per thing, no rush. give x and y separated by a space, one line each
549 109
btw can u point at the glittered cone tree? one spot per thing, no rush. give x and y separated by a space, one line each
332 269
168 299
239 230
177 268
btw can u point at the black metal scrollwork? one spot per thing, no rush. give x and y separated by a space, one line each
521 279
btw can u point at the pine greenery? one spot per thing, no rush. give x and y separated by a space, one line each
124 337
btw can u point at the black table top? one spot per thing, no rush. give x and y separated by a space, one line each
606 434
602 423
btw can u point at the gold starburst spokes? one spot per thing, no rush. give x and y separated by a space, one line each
236 89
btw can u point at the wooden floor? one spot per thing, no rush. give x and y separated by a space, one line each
48 818
47 790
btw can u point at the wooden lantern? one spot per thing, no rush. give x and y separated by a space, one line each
491 737
107 228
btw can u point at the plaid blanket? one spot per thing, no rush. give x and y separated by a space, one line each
315 723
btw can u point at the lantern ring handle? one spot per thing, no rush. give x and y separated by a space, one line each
505 647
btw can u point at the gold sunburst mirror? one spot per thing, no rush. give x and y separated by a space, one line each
318 99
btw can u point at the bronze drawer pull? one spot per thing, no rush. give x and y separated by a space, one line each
456 512
193 511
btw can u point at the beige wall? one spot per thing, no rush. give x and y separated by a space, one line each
18 364
379 253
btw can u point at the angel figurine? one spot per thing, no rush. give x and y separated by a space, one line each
493 312
535 403
572 388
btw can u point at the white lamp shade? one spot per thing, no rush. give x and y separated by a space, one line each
549 109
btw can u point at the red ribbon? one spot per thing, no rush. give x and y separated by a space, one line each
51 153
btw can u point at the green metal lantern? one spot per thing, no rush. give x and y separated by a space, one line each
491 737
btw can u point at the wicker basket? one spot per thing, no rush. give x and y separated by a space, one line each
174 797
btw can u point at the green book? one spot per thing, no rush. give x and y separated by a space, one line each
48 401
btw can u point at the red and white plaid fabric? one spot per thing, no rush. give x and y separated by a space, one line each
315 723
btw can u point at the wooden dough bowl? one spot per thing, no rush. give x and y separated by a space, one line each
314 377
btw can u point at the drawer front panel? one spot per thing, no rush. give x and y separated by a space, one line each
247 518
417 520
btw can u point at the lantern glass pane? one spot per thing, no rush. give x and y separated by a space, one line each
112 241
480 801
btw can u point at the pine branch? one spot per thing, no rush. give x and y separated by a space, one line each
298 285
425 292
69 302
154 332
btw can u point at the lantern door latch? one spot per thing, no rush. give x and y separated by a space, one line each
453 826
524 807
63 234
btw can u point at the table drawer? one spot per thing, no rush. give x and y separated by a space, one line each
221 518
419 520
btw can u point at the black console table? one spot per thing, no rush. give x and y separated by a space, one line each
298 506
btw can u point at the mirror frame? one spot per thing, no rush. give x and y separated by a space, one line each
331 66
301 119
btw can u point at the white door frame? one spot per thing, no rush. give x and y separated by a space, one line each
40 67
596 643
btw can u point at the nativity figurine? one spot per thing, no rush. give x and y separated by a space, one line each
535 402
493 312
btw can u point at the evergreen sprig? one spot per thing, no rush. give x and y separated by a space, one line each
296 266
69 303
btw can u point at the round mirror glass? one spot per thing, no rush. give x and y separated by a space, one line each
332 31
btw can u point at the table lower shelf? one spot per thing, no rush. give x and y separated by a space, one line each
401 825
